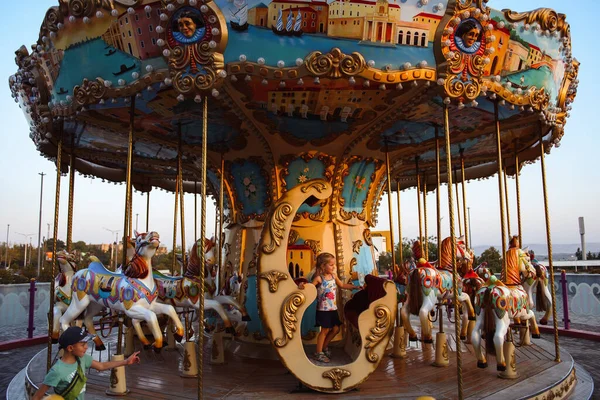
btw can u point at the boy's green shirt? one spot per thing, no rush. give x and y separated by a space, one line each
61 374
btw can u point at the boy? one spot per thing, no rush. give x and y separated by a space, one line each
67 375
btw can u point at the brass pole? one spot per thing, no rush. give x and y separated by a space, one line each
500 189
181 196
509 232
195 211
453 238
549 239
517 172
426 237
71 194
457 204
437 193
147 211
464 195
126 222
200 336
390 213
419 201
401 257
176 209
54 244
221 216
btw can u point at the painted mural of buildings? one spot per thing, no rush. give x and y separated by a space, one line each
135 33
51 65
258 15
535 55
301 260
320 7
431 20
516 56
501 46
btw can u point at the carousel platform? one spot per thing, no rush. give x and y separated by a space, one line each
157 376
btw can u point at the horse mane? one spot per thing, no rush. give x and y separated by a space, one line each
446 254
137 267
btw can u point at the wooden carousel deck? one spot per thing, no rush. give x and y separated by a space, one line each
158 378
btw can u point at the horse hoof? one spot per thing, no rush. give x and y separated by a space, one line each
147 346
524 323
54 340
481 364
463 337
178 337
102 347
472 318
501 368
246 318
230 329
157 349
413 339
536 336
428 340
543 321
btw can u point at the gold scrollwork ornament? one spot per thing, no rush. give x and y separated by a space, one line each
335 64
277 228
383 324
288 317
273 277
336 375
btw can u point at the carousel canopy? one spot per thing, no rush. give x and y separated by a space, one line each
343 79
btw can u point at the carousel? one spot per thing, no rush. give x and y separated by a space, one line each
298 138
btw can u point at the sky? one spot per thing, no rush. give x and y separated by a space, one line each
573 169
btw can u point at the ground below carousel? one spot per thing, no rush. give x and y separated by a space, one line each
244 377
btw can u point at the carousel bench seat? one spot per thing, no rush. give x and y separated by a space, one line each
373 291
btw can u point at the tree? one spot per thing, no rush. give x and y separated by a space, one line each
385 258
492 257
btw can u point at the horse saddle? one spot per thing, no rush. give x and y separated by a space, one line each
97 268
159 275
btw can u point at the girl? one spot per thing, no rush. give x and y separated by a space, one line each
327 316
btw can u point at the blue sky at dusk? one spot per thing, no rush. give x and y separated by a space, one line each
573 170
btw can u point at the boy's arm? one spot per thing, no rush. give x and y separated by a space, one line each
40 392
344 285
103 366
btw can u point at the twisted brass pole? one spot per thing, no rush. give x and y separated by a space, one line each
437 193
549 239
71 195
195 211
500 188
181 197
464 194
200 336
390 213
508 230
176 209
426 237
147 211
221 216
126 220
460 232
419 201
518 189
453 238
401 257
54 244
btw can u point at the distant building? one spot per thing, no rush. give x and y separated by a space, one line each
258 15
501 45
516 56
431 20
382 241
535 55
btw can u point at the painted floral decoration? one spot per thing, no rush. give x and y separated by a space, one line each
359 182
250 188
304 176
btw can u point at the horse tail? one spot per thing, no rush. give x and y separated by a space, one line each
489 323
540 297
415 294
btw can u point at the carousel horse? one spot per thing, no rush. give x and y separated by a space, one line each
62 291
497 302
132 292
428 285
539 286
184 291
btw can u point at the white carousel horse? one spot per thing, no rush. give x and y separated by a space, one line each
184 291
496 303
133 292
539 284
428 285
62 291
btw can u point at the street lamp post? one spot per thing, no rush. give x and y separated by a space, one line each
26 235
116 244
39 263
7 231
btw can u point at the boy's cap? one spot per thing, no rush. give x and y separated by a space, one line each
73 335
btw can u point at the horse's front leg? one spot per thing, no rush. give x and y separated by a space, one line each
548 296
58 311
137 325
476 340
405 316
75 309
169 310
502 325
232 302
428 305
140 312
468 310
90 312
218 308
